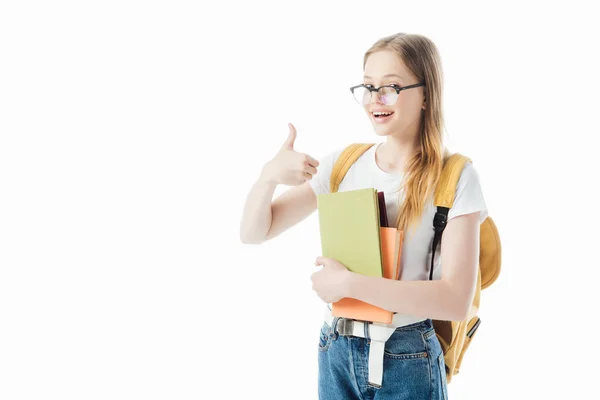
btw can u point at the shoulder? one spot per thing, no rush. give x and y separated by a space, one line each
332 156
320 181
469 173
469 196
327 161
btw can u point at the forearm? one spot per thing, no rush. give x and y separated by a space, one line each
428 299
257 216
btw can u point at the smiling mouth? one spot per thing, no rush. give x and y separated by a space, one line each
380 117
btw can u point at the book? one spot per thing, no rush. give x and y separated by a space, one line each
398 254
354 231
350 230
356 309
383 219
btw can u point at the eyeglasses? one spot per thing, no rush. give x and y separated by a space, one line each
388 94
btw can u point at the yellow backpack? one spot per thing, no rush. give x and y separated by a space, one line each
454 336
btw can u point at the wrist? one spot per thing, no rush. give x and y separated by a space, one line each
266 177
352 282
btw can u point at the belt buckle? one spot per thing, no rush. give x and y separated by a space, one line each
345 326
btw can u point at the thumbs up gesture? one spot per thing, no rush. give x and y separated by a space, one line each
289 167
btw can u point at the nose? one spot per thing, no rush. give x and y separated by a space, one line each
376 95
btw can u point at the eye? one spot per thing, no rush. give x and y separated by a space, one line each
367 84
397 86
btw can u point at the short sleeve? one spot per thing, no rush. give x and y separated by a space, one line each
469 195
320 181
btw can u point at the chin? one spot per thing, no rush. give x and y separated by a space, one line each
384 130
381 132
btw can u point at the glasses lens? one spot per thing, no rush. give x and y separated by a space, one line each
388 95
361 95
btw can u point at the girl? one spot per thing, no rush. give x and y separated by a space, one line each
401 94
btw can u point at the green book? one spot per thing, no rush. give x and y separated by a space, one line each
349 227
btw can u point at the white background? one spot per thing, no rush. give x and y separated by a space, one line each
131 133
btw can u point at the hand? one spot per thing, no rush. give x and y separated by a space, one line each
332 282
289 167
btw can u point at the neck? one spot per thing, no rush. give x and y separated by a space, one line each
395 151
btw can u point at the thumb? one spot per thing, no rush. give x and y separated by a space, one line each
289 142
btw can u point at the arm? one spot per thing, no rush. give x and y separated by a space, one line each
262 220
257 214
446 299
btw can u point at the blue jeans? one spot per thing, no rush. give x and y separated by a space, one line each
413 366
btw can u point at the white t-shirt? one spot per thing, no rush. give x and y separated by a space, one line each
415 260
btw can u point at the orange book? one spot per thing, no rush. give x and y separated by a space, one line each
391 252
398 253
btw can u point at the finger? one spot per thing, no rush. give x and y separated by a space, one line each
312 161
310 169
303 177
289 142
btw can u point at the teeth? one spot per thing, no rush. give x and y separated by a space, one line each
381 113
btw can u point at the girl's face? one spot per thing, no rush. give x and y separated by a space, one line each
385 68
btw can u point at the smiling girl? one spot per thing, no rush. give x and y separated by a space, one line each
401 94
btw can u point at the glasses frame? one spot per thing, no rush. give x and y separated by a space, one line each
374 89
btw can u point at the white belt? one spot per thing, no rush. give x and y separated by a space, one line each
377 332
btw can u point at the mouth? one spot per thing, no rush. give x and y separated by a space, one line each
381 117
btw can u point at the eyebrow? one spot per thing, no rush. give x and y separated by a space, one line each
385 76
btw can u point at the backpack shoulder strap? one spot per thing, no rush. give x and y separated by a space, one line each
444 198
350 154
446 188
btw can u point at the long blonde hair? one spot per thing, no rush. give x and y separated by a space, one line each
424 167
